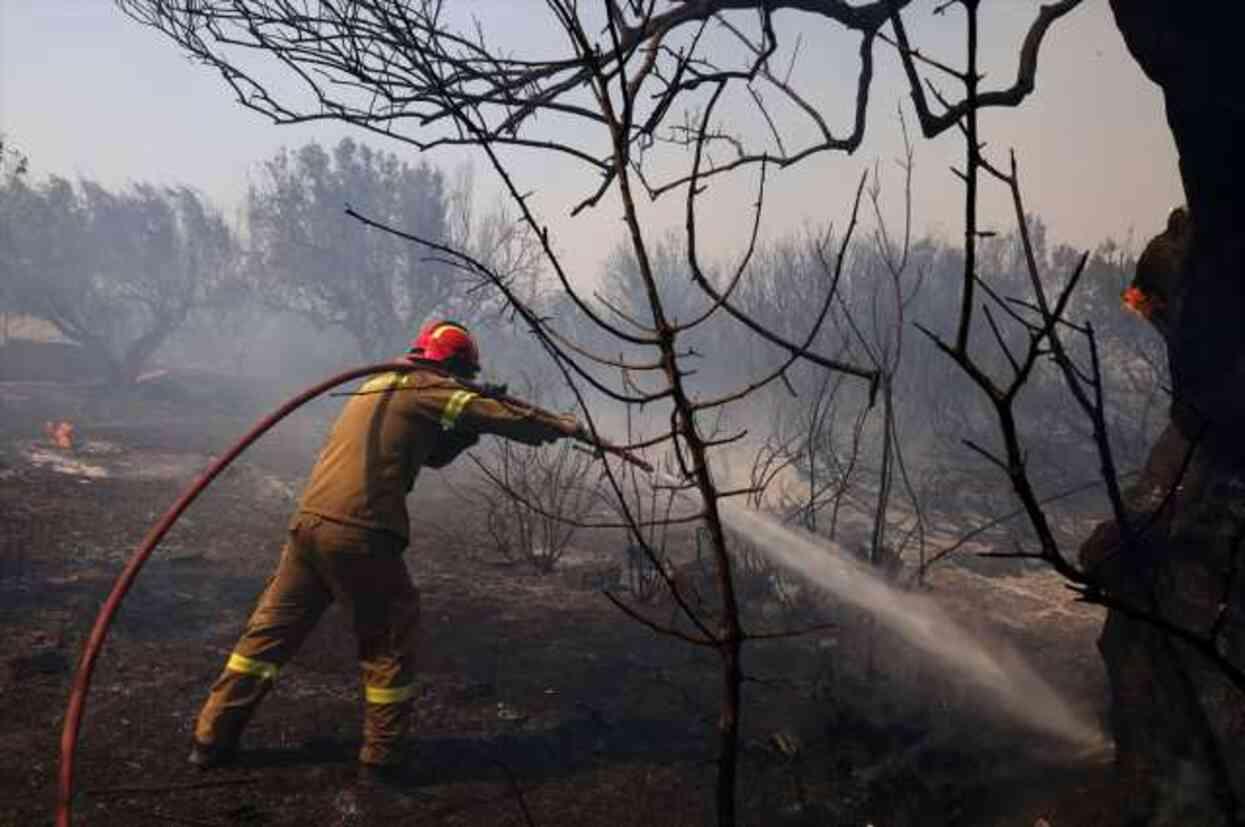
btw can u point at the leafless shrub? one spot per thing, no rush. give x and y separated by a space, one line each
649 561
642 575
534 500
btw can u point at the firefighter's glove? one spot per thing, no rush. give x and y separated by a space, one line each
449 446
551 429
561 427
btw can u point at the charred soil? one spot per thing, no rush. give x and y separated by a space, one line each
539 702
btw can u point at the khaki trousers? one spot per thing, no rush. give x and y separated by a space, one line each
326 561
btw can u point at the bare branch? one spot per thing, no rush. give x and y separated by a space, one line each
1026 72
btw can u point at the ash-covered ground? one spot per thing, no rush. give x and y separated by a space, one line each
540 703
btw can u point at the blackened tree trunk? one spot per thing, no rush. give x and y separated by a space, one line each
1178 722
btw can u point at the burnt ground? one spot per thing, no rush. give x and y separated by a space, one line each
539 703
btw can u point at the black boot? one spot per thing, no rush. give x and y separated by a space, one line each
389 776
211 756
389 780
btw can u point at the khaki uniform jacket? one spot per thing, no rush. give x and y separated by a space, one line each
395 424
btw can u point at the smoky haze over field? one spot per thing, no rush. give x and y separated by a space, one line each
1092 136
1092 140
301 291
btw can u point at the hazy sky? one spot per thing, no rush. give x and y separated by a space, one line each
85 91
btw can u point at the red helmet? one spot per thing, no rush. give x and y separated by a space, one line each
446 341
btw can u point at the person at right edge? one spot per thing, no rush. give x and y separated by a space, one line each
346 543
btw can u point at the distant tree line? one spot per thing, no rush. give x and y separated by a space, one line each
117 273
122 272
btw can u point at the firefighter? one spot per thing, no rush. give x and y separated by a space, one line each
346 540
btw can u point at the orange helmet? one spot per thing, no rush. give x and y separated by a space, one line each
448 342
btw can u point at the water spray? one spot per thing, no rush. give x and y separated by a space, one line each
1002 674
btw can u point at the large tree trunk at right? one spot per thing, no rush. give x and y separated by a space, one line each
1179 726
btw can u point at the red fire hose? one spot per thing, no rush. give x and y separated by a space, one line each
82 680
